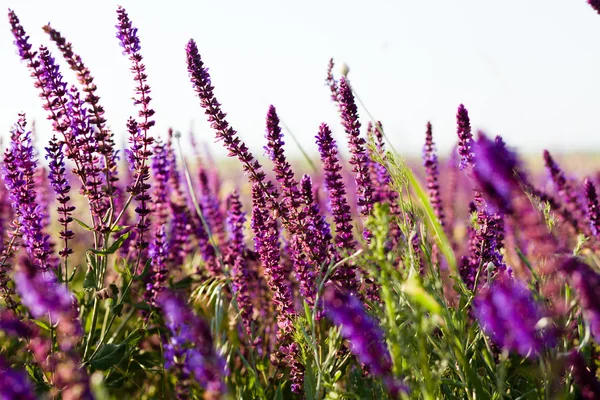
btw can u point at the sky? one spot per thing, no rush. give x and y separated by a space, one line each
525 69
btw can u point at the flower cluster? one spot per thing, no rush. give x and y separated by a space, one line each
508 313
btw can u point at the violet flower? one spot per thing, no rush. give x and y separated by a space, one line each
356 144
362 332
19 170
104 137
593 208
61 187
465 138
508 313
211 209
499 177
283 170
201 81
340 210
182 227
235 257
161 170
14 385
430 162
586 283
332 83
595 5
137 156
190 349
565 189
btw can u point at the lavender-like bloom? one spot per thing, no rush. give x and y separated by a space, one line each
161 170
41 293
362 332
283 170
181 228
104 137
508 313
340 209
159 252
211 209
14 385
137 155
318 233
190 349
595 5
200 79
266 239
565 189
430 161
498 175
140 149
356 144
465 138
586 283
593 208
235 257
61 187
19 170
585 377
331 82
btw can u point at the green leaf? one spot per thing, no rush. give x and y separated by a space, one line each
84 225
144 272
119 228
114 247
89 282
70 279
42 325
134 338
116 308
108 356
419 295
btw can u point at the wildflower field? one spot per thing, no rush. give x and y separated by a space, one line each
148 273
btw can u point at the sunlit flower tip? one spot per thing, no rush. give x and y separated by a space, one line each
344 69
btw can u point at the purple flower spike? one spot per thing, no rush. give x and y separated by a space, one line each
356 144
430 162
593 207
363 333
465 138
235 257
565 189
595 5
41 293
586 283
282 168
344 240
495 172
14 385
190 349
508 313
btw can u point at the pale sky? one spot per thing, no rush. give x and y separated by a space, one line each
526 69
